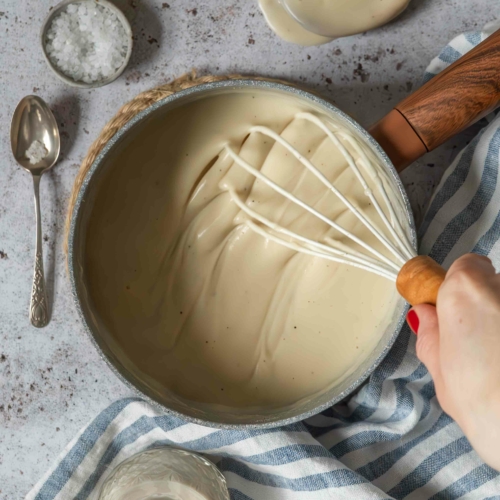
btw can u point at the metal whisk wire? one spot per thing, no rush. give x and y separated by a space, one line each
334 250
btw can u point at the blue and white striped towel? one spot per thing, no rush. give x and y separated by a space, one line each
389 441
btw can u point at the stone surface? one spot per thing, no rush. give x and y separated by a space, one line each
52 381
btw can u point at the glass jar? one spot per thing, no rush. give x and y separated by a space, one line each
165 474
314 22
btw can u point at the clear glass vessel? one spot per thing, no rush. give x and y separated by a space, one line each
165 474
336 18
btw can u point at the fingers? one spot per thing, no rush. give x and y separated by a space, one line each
465 281
474 265
423 321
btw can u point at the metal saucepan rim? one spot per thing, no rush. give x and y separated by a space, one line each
229 84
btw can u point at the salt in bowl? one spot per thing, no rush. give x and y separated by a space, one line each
57 71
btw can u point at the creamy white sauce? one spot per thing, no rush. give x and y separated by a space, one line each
199 302
313 22
286 27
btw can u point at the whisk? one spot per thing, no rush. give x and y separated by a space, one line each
417 278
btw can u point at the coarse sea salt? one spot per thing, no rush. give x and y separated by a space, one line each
36 152
87 42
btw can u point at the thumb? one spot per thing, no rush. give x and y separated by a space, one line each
423 321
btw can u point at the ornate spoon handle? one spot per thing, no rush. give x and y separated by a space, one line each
39 314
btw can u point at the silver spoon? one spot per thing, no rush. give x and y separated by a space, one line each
33 121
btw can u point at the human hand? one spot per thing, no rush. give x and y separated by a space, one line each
459 343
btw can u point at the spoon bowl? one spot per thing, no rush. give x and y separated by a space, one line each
33 121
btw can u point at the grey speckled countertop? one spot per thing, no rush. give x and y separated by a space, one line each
52 381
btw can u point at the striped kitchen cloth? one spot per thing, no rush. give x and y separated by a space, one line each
389 441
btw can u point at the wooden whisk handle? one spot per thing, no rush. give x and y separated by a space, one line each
419 280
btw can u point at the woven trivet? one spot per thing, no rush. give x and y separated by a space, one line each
127 112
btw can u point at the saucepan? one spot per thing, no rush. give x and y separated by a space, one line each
451 101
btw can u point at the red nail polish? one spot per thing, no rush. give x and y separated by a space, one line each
413 321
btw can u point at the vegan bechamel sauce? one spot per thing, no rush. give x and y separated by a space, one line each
324 20
202 305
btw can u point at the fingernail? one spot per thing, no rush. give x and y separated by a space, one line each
413 321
